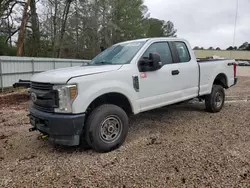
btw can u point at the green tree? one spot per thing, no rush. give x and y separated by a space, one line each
244 46
248 48
155 28
169 30
127 19
5 48
78 28
160 28
35 30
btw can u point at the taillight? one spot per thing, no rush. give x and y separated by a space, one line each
235 69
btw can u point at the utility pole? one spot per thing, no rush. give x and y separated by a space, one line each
22 29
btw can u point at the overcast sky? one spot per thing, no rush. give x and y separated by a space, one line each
205 23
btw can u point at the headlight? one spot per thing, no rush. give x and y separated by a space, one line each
66 96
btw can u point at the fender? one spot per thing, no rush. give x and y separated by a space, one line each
223 75
86 95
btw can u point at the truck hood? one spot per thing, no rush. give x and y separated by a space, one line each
62 75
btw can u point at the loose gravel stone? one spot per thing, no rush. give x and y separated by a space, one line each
176 146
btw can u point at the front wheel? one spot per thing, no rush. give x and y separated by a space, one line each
215 100
106 128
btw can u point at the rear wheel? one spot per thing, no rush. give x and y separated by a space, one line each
106 128
215 100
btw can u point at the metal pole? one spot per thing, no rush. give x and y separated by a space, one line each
1 74
235 25
71 64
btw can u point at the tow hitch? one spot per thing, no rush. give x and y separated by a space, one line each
43 137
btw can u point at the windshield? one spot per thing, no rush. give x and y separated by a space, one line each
118 54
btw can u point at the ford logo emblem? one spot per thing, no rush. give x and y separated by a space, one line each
33 97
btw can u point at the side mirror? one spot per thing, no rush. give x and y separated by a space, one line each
152 63
156 58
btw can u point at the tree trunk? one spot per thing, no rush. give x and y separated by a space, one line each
63 28
105 38
54 29
22 29
77 31
35 29
9 31
95 45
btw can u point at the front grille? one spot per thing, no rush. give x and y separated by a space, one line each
44 109
41 86
46 97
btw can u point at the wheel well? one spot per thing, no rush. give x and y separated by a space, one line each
221 79
111 98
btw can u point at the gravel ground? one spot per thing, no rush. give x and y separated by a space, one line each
177 146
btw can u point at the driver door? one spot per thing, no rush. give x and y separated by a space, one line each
158 88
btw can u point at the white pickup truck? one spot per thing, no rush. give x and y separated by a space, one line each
92 103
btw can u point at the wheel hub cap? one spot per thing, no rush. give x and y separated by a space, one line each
111 129
218 99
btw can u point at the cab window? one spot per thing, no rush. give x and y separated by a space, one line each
182 51
162 48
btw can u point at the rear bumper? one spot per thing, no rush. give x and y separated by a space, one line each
63 129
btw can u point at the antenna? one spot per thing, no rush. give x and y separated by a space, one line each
235 25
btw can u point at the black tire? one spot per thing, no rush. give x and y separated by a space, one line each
100 124
215 100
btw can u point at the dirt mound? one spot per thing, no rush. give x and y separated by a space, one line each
14 98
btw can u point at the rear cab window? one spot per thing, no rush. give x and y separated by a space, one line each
182 51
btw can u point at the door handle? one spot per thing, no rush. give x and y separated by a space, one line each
175 72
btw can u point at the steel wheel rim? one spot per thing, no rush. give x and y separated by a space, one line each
111 128
218 99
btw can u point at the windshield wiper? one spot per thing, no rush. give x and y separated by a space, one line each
103 63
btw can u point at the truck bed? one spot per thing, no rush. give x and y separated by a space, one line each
209 69
209 60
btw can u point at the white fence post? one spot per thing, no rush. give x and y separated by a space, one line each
1 74
33 66
54 64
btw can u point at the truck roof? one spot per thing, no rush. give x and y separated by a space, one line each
153 38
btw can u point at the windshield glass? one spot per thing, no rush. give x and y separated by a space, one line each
118 54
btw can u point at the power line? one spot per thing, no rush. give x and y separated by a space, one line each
235 24
236 18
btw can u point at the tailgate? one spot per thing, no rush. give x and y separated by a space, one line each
231 73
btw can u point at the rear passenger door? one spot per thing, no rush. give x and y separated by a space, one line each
187 80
